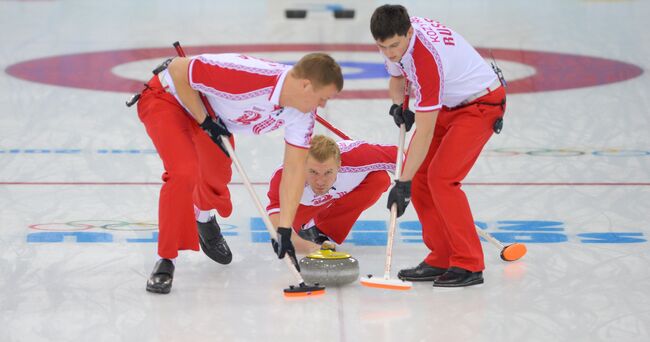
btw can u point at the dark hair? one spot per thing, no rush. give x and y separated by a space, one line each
389 20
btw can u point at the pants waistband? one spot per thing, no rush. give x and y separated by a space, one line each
492 87
163 82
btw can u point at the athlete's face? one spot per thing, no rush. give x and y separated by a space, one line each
321 176
314 97
395 47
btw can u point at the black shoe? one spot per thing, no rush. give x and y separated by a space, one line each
458 277
160 280
313 234
421 272
212 242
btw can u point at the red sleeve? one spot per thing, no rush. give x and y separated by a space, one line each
427 72
274 193
369 154
228 77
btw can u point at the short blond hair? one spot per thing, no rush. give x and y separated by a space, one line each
319 68
323 148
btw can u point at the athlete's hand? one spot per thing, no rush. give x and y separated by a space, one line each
283 246
215 129
400 116
400 195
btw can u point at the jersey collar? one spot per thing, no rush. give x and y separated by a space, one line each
409 49
274 98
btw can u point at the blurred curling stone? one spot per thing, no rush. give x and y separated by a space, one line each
343 13
329 267
338 11
295 13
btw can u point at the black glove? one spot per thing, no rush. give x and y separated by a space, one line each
400 194
216 128
284 246
402 117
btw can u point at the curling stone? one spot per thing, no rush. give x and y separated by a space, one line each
343 13
295 13
329 267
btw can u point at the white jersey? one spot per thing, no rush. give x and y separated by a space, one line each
358 159
442 67
244 92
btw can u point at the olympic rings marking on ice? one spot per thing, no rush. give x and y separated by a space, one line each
79 225
54 227
613 152
115 225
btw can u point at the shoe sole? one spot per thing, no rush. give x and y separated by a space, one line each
420 278
157 290
470 283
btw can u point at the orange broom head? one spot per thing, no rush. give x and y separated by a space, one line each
303 290
513 252
387 284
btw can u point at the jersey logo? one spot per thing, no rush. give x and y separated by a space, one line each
268 125
248 118
322 199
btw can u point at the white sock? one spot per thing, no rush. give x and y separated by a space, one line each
309 224
202 216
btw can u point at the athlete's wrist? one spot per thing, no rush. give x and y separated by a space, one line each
202 121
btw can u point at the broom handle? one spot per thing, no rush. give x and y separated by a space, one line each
332 128
393 209
398 172
490 238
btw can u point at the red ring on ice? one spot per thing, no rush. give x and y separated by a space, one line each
92 70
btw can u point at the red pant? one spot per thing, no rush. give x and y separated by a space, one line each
196 171
447 223
335 219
